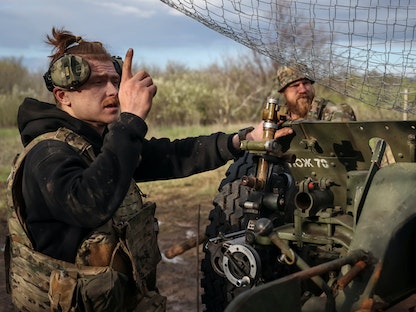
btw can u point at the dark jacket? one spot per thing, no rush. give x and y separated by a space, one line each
65 198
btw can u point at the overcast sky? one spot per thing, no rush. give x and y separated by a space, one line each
157 33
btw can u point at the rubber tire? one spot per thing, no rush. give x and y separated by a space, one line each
225 217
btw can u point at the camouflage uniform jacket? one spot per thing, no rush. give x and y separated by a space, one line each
322 109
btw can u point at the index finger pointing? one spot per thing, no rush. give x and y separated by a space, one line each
127 74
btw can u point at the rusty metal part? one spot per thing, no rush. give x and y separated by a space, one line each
333 265
288 252
366 306
351 274
290 257
363 303
180 248
252 182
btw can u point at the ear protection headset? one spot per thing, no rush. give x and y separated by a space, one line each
71 71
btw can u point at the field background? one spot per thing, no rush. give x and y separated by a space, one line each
182 206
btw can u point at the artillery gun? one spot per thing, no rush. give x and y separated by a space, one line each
323 220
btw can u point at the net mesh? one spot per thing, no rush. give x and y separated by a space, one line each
364 49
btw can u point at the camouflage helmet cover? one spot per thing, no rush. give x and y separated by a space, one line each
288 74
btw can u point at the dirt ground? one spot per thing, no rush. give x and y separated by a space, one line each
178 278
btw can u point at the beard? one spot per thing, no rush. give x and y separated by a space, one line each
301 107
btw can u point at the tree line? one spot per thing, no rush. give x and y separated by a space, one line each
232 92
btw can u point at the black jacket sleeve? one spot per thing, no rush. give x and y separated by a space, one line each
165 159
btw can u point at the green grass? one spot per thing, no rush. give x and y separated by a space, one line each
9 145
177 132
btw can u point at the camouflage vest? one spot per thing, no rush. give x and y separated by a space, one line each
114 267
322 109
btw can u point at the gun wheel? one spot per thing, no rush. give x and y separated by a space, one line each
226 217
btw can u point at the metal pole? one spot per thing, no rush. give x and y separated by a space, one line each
405 103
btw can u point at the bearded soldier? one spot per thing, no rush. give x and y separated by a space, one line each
295 83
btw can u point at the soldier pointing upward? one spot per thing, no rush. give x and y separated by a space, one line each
81 238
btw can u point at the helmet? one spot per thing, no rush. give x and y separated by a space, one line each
288 74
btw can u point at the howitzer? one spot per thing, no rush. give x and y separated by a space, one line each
323 220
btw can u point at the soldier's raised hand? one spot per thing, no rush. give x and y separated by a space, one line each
136 91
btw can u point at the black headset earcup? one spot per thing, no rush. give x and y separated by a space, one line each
68 72
48 80
118 64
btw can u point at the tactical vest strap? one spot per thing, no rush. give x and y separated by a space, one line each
323 109
17 227
61 290
151 302
76 141
27 271
317 106
140 230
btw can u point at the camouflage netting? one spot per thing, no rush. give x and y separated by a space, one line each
364 49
